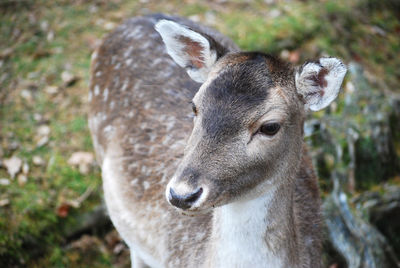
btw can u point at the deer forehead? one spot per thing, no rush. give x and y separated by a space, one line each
241 87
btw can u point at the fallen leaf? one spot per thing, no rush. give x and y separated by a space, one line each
26 94
43 130
38 161
22 179
83 160
42 135
4 202
13 165
25 168
63 210
4 181
68 78
6 53
52 90
42 141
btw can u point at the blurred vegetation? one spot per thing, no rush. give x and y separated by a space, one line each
45 49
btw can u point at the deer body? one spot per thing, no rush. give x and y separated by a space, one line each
243 174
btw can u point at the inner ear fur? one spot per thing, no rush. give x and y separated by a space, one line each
319 82
195 51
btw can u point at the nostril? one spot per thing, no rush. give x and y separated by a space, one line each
184 201
194 196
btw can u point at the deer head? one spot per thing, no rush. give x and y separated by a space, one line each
249 113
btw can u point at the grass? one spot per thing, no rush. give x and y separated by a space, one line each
49 37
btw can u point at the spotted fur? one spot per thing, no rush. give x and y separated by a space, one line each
259 208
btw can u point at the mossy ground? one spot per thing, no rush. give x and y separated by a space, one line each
41 39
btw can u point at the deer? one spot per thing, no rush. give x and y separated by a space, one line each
201 146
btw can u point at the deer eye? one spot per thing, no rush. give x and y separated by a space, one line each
194 109
269 129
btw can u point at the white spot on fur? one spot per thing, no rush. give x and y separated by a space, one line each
105 94
146 185
156 61
136 33
98 73
90 96
147 105
137 85
96 90
113 59
108 130
128 62
117 66
94 55
128 52
125 84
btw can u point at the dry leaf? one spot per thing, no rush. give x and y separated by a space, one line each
4 202
25 168
4 181
52 90
22 179
13 165
63 210
42 141
83 160
43 130
68 78
38 161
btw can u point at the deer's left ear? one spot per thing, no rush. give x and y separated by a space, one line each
319 82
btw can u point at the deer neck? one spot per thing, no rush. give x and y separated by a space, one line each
256 233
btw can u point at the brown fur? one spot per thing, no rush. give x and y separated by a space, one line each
140 121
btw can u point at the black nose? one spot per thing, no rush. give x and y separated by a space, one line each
184 201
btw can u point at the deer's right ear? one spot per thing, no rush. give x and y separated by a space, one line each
189 49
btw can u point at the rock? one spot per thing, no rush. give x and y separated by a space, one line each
360 243
13 165
382 209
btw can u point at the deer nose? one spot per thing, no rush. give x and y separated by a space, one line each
184 201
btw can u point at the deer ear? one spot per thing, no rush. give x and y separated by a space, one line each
189 49
319 82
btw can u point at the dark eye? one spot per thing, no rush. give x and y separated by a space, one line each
194 109
269 129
